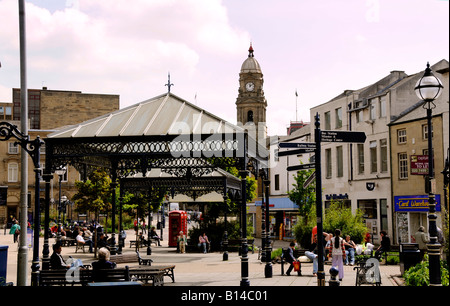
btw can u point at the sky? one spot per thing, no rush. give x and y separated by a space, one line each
317 48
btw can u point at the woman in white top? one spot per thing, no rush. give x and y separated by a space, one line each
337 250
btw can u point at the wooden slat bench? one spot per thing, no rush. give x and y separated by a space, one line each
111 275
167 270
127 257
146 275
82 277
68 242
64 277
144 261
234 244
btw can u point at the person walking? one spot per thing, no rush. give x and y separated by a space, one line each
337 251
291 259
421 239
15 230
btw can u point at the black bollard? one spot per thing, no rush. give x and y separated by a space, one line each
334 282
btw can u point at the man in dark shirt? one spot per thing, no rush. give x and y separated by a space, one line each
56 260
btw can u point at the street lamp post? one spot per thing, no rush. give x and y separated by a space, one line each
32 147
429 88
60 172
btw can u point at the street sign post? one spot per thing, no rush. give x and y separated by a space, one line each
295 152
343 136
309 180
301 167
297 145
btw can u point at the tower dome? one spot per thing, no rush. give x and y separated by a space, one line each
251 65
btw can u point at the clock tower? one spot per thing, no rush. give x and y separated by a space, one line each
251 104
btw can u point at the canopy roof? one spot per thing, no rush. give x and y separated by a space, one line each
163 115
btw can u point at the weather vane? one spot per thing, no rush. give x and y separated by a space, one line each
169 84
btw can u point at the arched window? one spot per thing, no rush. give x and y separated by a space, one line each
250 116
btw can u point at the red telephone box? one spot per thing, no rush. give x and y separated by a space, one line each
177 223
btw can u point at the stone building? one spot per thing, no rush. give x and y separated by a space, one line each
48 110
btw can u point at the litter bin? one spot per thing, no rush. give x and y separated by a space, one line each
409 256
3 262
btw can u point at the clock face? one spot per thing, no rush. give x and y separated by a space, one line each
250 86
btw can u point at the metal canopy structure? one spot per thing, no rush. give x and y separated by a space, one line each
211 187
183 147
165 132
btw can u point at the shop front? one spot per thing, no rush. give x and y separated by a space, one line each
411 212
283 216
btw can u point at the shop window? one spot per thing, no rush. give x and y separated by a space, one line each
369 208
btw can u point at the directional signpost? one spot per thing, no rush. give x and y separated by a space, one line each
304 147
343 136
301 167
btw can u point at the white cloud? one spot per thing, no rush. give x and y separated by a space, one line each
96 45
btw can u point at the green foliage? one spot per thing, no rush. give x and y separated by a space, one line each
337 216
94 195
419 274
305 198
215 232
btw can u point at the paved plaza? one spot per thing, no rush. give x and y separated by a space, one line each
198 269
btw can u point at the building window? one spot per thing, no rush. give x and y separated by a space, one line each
250 116
373 157
13 172
13 148
328 161
360 158
401 136
384 155
383 215
359 116
327 121
373 109
383 106
340 162
369 208
425 131
275 155
338 118
277 182
403 166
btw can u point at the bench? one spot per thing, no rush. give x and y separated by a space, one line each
167 270
394 251
237 243
111 275
80 246
68 242
144 261
365 273
193 247
63 277
125 257
146 275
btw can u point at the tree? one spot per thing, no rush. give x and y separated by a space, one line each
94 195
305 198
